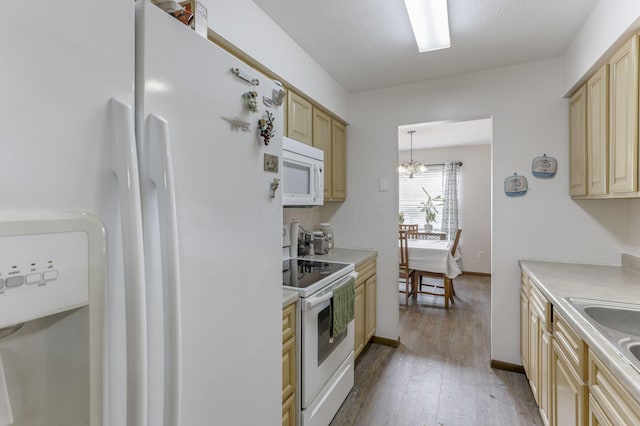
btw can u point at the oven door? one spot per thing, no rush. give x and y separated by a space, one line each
321 355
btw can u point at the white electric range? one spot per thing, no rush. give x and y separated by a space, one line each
326 362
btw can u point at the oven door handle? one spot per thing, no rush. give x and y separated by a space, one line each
310 304
315 301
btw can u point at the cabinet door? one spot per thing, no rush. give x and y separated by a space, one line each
288 369
289 412
370 307
534 354
578 143
596 415
339 161
359 320
299 119
569 393
545 377
598 131
322 140
524 332
623 133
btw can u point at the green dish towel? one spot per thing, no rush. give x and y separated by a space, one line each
342 307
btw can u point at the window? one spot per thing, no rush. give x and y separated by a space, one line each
411 195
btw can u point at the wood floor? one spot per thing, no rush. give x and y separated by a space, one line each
440 373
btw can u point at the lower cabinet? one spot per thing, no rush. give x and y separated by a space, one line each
365 305
289 412
569 392
609 402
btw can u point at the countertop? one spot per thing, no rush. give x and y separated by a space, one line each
355 256
620 284
345 255
288 297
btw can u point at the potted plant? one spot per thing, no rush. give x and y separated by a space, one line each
429 208
401 217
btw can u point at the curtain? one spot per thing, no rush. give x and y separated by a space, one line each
450 206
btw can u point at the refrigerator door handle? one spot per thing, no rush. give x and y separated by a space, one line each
124 163
161 173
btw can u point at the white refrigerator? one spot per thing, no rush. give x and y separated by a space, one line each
66 145
156 141
212 228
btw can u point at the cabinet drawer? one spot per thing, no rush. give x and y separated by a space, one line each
365 270
570 344
614 401
540 305
288 322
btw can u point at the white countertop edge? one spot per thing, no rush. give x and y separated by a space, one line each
628 377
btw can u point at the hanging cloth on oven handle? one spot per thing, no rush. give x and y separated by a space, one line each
342 306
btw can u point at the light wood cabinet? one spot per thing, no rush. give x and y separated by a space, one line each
370 307
578 143
604 145
365 305
609 402
623 139
569 390
524 322
359 320
309 124
322 140
289 412
598 132
540 339
569 393
339 161
299 118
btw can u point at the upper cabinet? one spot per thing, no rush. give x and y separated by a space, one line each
604 129
339 161
623 172
310 124
299 112
578 143
598 131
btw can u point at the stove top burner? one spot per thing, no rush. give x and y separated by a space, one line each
302 273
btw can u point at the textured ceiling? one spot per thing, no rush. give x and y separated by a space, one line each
368 44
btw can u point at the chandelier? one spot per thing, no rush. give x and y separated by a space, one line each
411 167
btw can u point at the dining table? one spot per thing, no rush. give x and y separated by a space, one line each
432 256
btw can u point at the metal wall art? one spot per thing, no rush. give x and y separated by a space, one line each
265 125
515 186
544 167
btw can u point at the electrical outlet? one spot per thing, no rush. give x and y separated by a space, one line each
480 254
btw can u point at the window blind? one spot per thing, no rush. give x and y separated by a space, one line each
411 195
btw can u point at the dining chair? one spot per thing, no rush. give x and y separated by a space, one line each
405 273
431 236
412 230
448 291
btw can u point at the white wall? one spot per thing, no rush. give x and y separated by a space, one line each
474 199
599 35
530 117
246 26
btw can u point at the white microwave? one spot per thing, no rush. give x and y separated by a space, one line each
302 174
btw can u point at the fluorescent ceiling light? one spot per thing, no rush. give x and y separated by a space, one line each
430 23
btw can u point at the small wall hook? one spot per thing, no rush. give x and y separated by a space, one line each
275 184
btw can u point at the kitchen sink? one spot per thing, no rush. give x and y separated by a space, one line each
618 322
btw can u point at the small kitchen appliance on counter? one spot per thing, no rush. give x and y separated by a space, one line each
321 242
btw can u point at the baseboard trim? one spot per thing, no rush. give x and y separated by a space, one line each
507 366
477 274
385 341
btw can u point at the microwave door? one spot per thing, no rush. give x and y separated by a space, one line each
299 180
